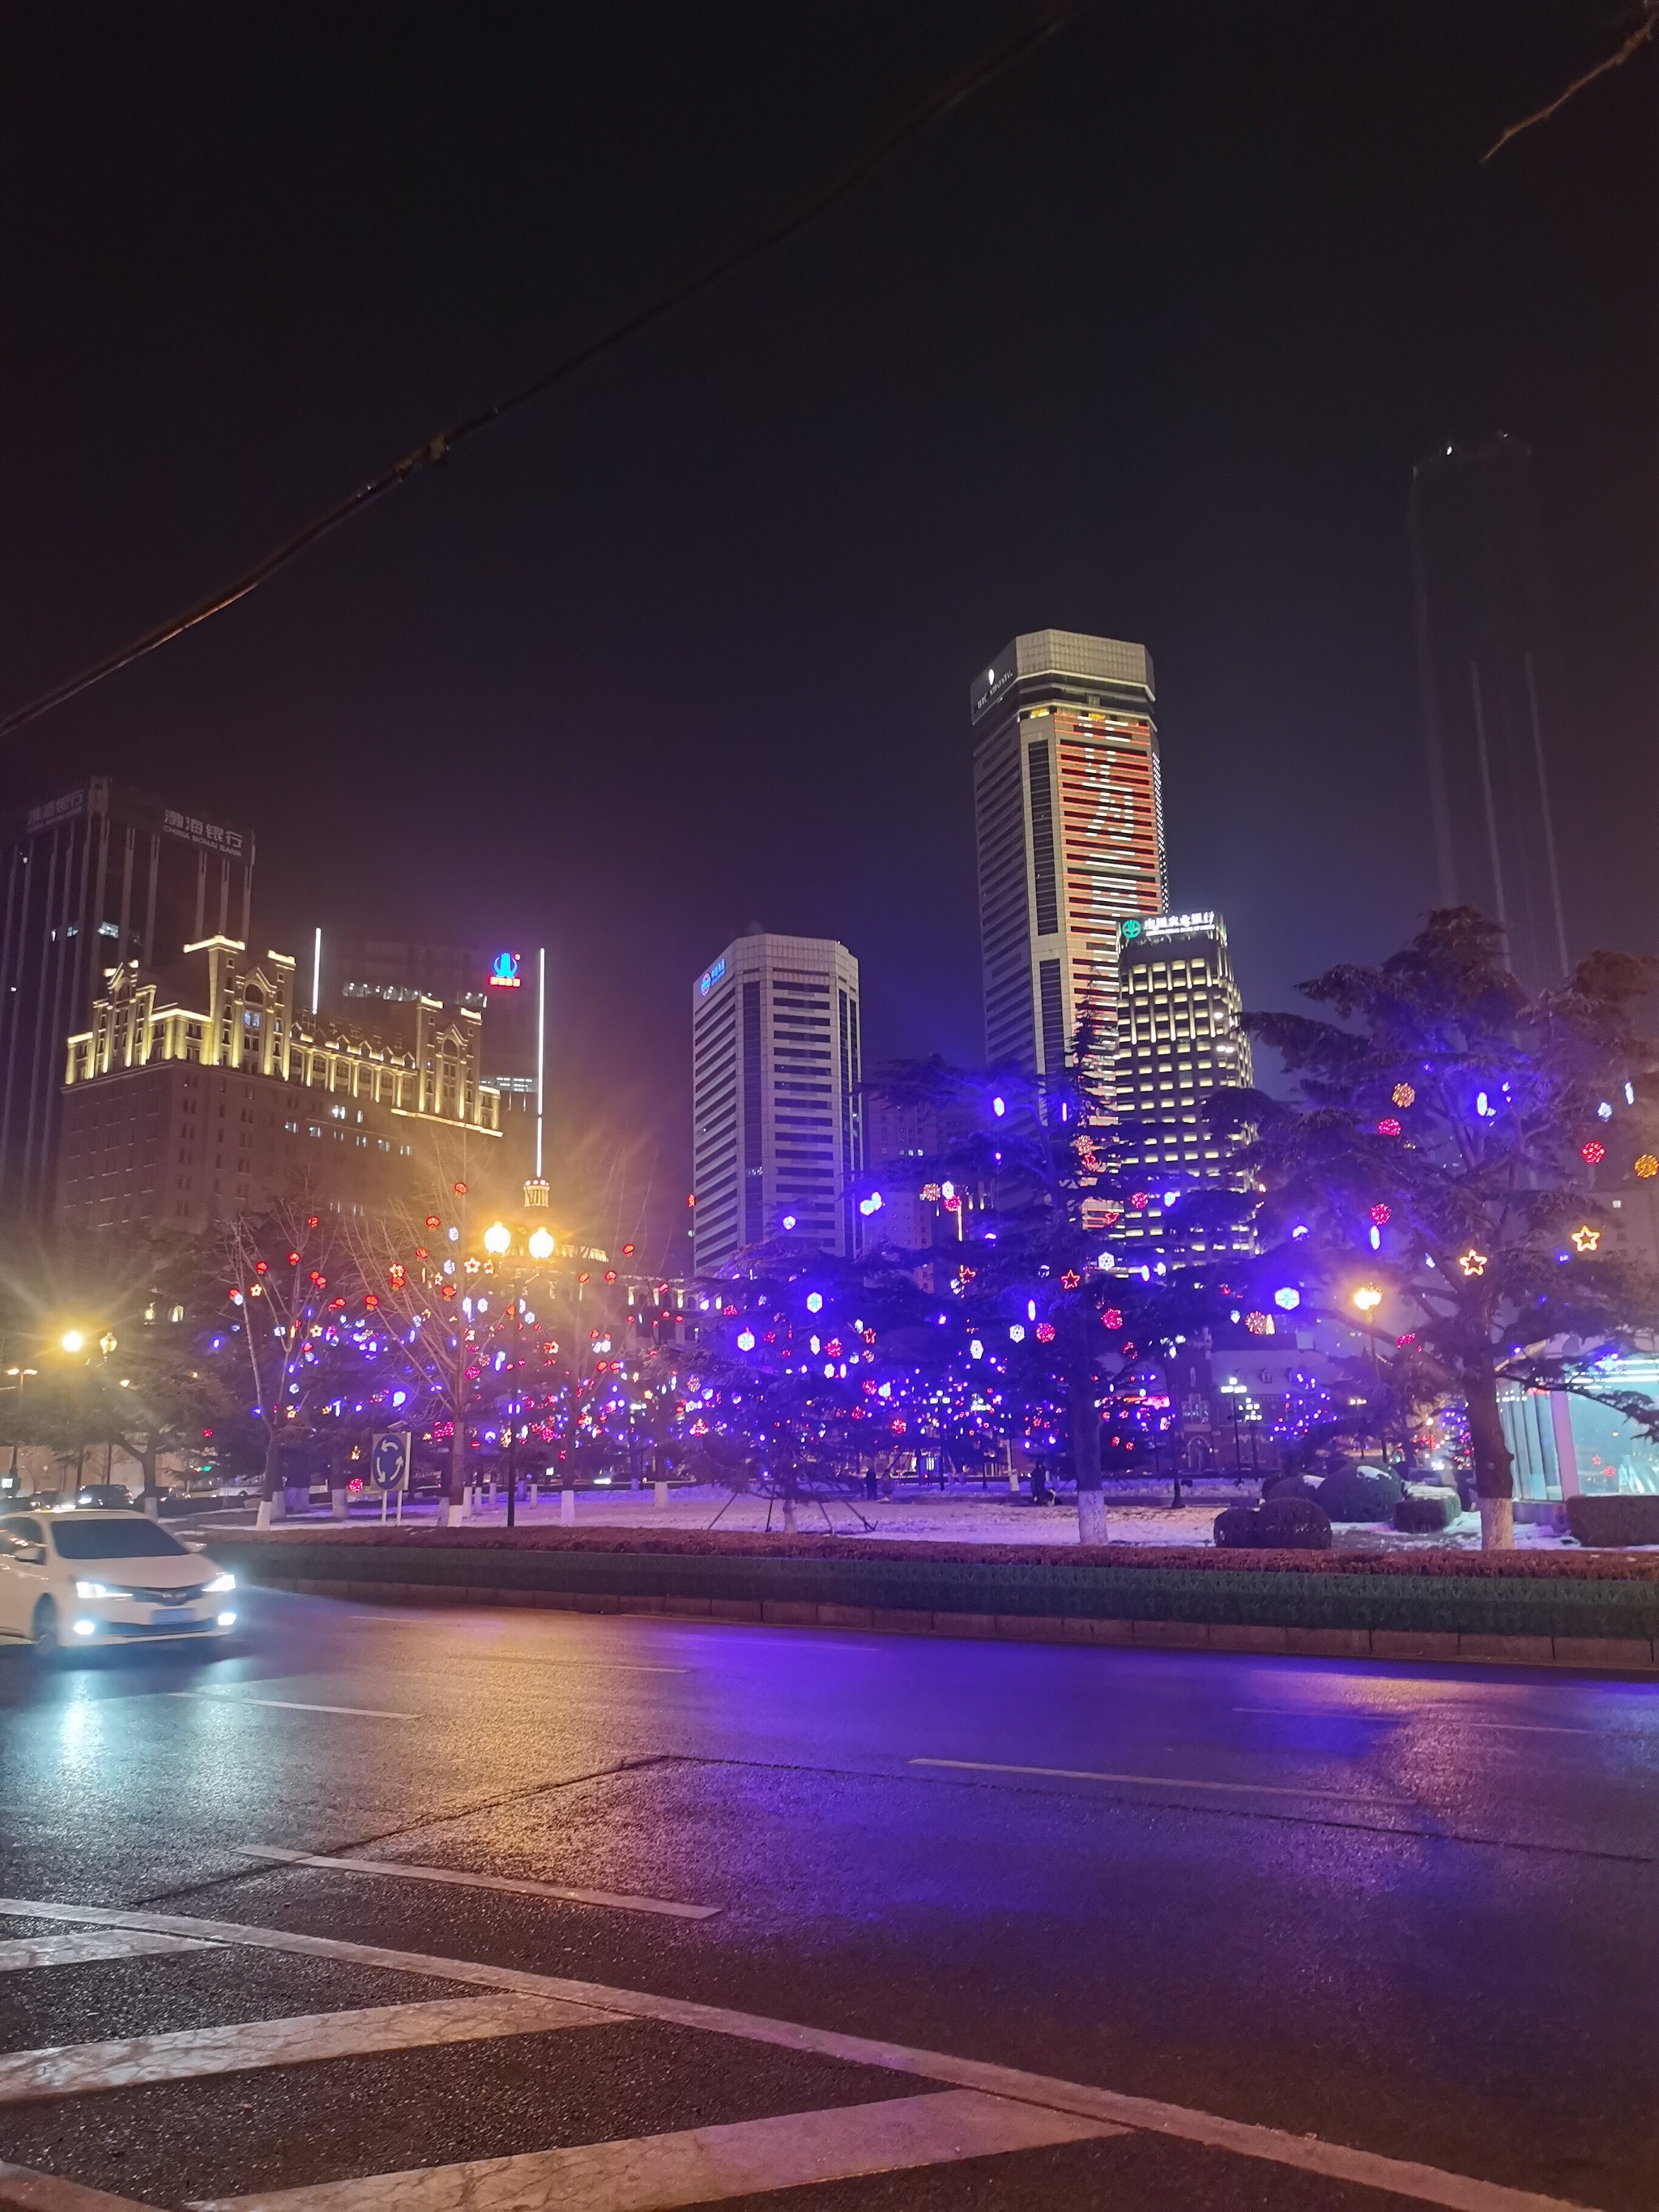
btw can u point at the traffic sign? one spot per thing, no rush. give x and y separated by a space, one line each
388 1461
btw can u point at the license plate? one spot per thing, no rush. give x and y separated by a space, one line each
167 1616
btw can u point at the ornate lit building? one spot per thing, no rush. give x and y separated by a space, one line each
217 1096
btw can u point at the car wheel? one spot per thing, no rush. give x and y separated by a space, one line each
43 1630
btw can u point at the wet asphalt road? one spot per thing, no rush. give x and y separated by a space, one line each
1415 1912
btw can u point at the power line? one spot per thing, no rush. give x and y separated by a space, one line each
444 442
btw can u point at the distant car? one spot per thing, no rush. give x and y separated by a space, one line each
85 1579
114 1496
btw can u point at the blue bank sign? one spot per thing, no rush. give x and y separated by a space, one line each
710 976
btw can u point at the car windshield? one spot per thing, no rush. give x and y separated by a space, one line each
114 1540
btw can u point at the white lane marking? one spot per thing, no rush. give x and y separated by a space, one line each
512 1884
1153 1781
701 2166
1436 1713
19 1954
293 1706
28 2192
75 2069
1425 2185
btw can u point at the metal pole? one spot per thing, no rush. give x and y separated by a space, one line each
512 1413
541 1052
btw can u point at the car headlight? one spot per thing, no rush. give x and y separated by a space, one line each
221 1583
93 1590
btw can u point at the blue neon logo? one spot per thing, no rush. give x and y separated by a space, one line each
710 976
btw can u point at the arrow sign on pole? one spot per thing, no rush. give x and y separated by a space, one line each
388 1461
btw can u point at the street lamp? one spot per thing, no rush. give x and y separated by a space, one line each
73 1340
1368 1297
498 1238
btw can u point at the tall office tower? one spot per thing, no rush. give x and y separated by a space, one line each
1478 574
1179 1037
97 877
777 1123
1070 812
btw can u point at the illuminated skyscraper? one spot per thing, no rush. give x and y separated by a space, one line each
1070 815
1482 628
777 1122
1179 1037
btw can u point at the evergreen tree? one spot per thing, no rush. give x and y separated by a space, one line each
1468 1125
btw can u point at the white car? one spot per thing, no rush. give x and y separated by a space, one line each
78 1580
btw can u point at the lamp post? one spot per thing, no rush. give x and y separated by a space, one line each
539 1248
1367 1298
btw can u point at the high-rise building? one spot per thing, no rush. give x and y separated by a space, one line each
777 1122
1070 814
94 878
1180 1035
1479 576
218 1098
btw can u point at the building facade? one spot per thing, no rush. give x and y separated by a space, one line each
185 1107
1069 808
777 1120
1478 573
1180 1035
96 877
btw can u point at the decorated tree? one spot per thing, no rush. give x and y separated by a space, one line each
1443 1149
809 1369
1040 1171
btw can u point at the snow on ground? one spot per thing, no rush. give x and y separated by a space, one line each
969 1516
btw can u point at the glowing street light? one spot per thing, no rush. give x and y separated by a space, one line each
498 1237
1368 1297
73 1340
541 1244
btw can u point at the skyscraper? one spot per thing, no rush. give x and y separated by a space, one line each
1070 813
777 1123
1478 574
99 876
1180 1035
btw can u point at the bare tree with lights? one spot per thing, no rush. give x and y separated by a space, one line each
1443 1149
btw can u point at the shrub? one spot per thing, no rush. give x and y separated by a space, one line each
1292 1524
1278 1524
1292 1485
1235 1527
1427 1516
1360 1493
1627 1519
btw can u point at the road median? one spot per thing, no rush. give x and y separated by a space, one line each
1584 1609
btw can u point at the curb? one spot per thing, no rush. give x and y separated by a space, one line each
1622 1654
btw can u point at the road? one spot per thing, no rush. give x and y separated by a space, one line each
1411 1913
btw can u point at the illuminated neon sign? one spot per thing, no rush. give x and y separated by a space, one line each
504 972
710 976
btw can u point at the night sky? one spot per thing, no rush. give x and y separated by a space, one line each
1142 341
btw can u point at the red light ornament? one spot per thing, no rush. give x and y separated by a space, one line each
1593 1152
1382 1213
1388 1127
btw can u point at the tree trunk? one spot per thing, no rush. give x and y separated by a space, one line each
455 1489
1494 1465
1085 1461
150 1496
790 1525
272 1506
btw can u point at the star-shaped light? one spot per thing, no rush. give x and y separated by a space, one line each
1472 1262
1585 1239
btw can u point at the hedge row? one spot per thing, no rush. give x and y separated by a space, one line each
1077 1584
1053 1558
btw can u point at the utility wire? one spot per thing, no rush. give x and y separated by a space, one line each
444 442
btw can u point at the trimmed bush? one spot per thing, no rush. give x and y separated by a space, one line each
1360 1493
1292 1485
1279 1523
1427 1517
1629 1518
1235 1527
1293 1524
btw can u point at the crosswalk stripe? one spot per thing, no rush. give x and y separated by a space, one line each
623 1901
1337 2161
21 1952
701 2166
75 2069
23 2189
